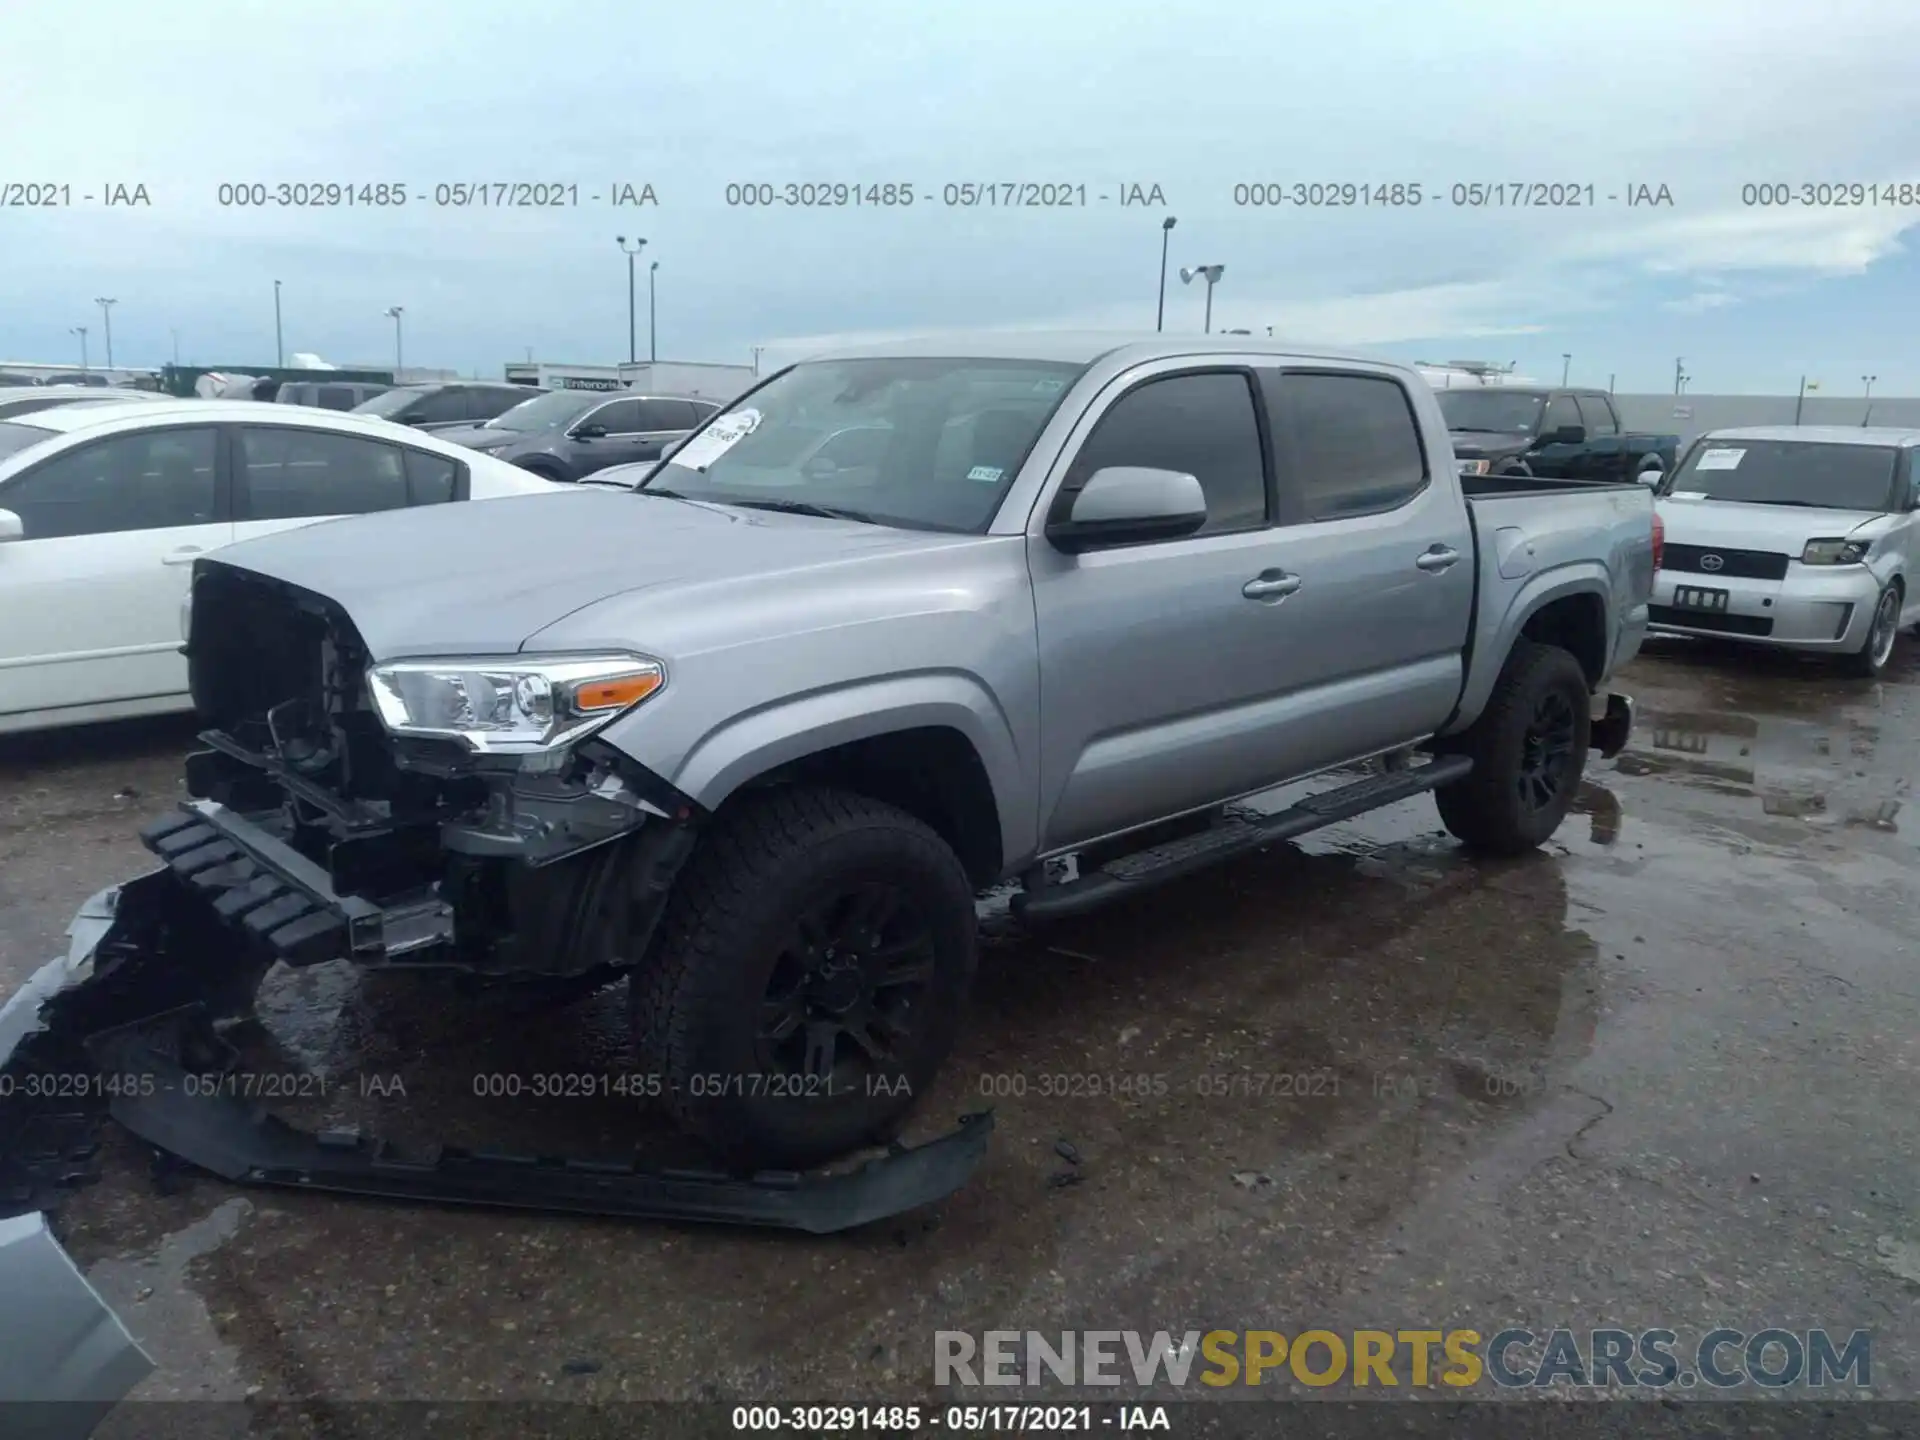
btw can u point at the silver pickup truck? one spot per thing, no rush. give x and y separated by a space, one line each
897 627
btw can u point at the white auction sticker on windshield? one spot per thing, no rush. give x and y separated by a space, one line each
1720 460
721 436
1688 495
988 473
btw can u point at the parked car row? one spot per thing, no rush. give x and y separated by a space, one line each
105 504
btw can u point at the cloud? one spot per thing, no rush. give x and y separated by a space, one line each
1825 242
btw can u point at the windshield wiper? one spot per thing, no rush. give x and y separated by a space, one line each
805 507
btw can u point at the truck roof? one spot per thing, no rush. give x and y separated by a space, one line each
1085 347
1821 434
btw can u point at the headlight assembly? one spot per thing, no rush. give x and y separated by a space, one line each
1835 552
517 705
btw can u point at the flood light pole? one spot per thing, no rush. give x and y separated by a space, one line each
632 329
1211 274
1166 233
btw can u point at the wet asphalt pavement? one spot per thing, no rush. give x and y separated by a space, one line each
1662 1074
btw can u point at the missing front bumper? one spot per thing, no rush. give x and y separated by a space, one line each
135 1000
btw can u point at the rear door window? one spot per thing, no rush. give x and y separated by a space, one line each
440 406
431 479
655 415
337 397
287 474
1599 415
1352 439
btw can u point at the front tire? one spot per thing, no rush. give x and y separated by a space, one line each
1871 658
812 967
1529 747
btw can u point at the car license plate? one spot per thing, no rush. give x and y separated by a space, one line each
1692 597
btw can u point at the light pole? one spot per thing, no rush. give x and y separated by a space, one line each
1166 233
394 312
1211 274
279 347
1868 380
639 244
81 331
653 334
1680 376
1566 364
106 304
1801 399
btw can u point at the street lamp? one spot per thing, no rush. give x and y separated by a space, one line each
81 331
106 304
639 244
279 347
394 312
1566 365
1211 274
1680 376
1868 380
653 341
1166 233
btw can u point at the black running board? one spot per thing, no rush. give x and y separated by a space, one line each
1236 836
153 1059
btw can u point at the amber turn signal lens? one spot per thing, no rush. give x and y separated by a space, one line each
592 696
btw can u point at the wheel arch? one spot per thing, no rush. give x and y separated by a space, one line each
935 745
1570 606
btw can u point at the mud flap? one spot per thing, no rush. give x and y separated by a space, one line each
131 1002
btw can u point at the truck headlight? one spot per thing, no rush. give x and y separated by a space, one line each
518 705
1835 552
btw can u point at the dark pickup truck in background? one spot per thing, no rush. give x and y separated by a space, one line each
1557 434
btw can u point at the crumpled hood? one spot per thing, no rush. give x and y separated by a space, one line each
483 578
1783 529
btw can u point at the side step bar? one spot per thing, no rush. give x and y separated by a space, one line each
1236 836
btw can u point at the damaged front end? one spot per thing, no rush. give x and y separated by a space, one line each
313 834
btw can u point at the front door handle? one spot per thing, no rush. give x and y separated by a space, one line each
1275 586
183 556
1439 558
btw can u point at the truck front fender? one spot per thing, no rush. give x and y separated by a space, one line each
753 744
1499 625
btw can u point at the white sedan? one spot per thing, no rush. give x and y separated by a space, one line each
104 507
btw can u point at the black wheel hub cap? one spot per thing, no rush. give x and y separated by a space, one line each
847 988
1546 752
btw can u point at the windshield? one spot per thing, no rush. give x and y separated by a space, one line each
1506 412
390 402
19 437
925 444
545 410
1788 472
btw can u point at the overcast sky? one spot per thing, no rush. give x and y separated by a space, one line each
1193 96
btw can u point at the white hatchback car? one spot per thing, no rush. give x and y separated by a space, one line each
104 507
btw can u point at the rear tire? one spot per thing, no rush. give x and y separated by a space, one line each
808 982
1529 747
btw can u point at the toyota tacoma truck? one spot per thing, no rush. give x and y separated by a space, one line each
1554 434
759 731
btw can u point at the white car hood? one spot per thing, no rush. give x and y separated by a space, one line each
1739 526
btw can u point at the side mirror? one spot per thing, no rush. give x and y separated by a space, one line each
11 527
1128 505
1651 471
592 430
1567 435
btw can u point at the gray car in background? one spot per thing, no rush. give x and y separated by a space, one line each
446 406
330 394
571 434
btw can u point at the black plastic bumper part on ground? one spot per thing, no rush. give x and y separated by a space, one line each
145 1018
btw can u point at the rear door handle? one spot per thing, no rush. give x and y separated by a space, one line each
1271 587
183 556
1439 558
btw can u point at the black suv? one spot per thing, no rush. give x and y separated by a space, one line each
569 434
329 394
445 406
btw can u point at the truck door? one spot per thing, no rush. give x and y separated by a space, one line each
1558 459
1180 673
